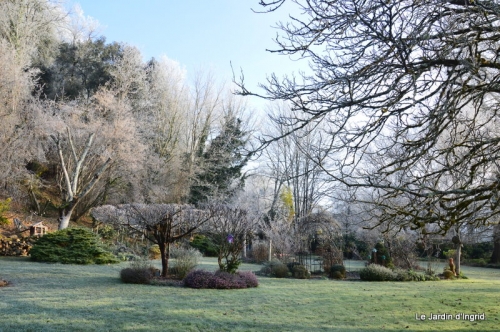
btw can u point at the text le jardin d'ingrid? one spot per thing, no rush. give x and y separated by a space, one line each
459 316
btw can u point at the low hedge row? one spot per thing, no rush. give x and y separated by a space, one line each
376 272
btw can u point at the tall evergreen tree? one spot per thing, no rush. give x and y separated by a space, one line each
221 164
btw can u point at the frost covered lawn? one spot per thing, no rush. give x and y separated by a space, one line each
55 297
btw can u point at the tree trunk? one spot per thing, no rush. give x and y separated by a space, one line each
219 261
458 255
245 246
165 255
270 250
457 240
65 212
495 256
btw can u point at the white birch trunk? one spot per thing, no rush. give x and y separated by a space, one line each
64 217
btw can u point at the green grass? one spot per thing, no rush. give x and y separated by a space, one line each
55 297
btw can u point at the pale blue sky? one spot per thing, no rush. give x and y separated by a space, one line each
197 34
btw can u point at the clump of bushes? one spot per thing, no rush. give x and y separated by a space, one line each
300 272
275 269
139 272
411 275
220 280
337 271
71 246
375 272
278 269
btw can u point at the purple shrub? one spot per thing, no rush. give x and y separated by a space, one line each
225 280
198 279
249 278
220 280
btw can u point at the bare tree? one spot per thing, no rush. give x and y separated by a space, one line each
74 188
162 224
27 34
412 80
205 102
291 173
30 26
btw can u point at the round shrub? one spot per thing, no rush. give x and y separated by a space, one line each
275 268
376 272
71 246
249 278
226 280
337 271
220 280
279 270
136 276
198 279
300 272
139 272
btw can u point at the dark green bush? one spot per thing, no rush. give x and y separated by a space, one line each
337 271
106 232
382 256
71 246
291 265
300 272
374 272
204 245
279 271
231 265
275 268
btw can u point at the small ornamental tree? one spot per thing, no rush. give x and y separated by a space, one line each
162 224
228 229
